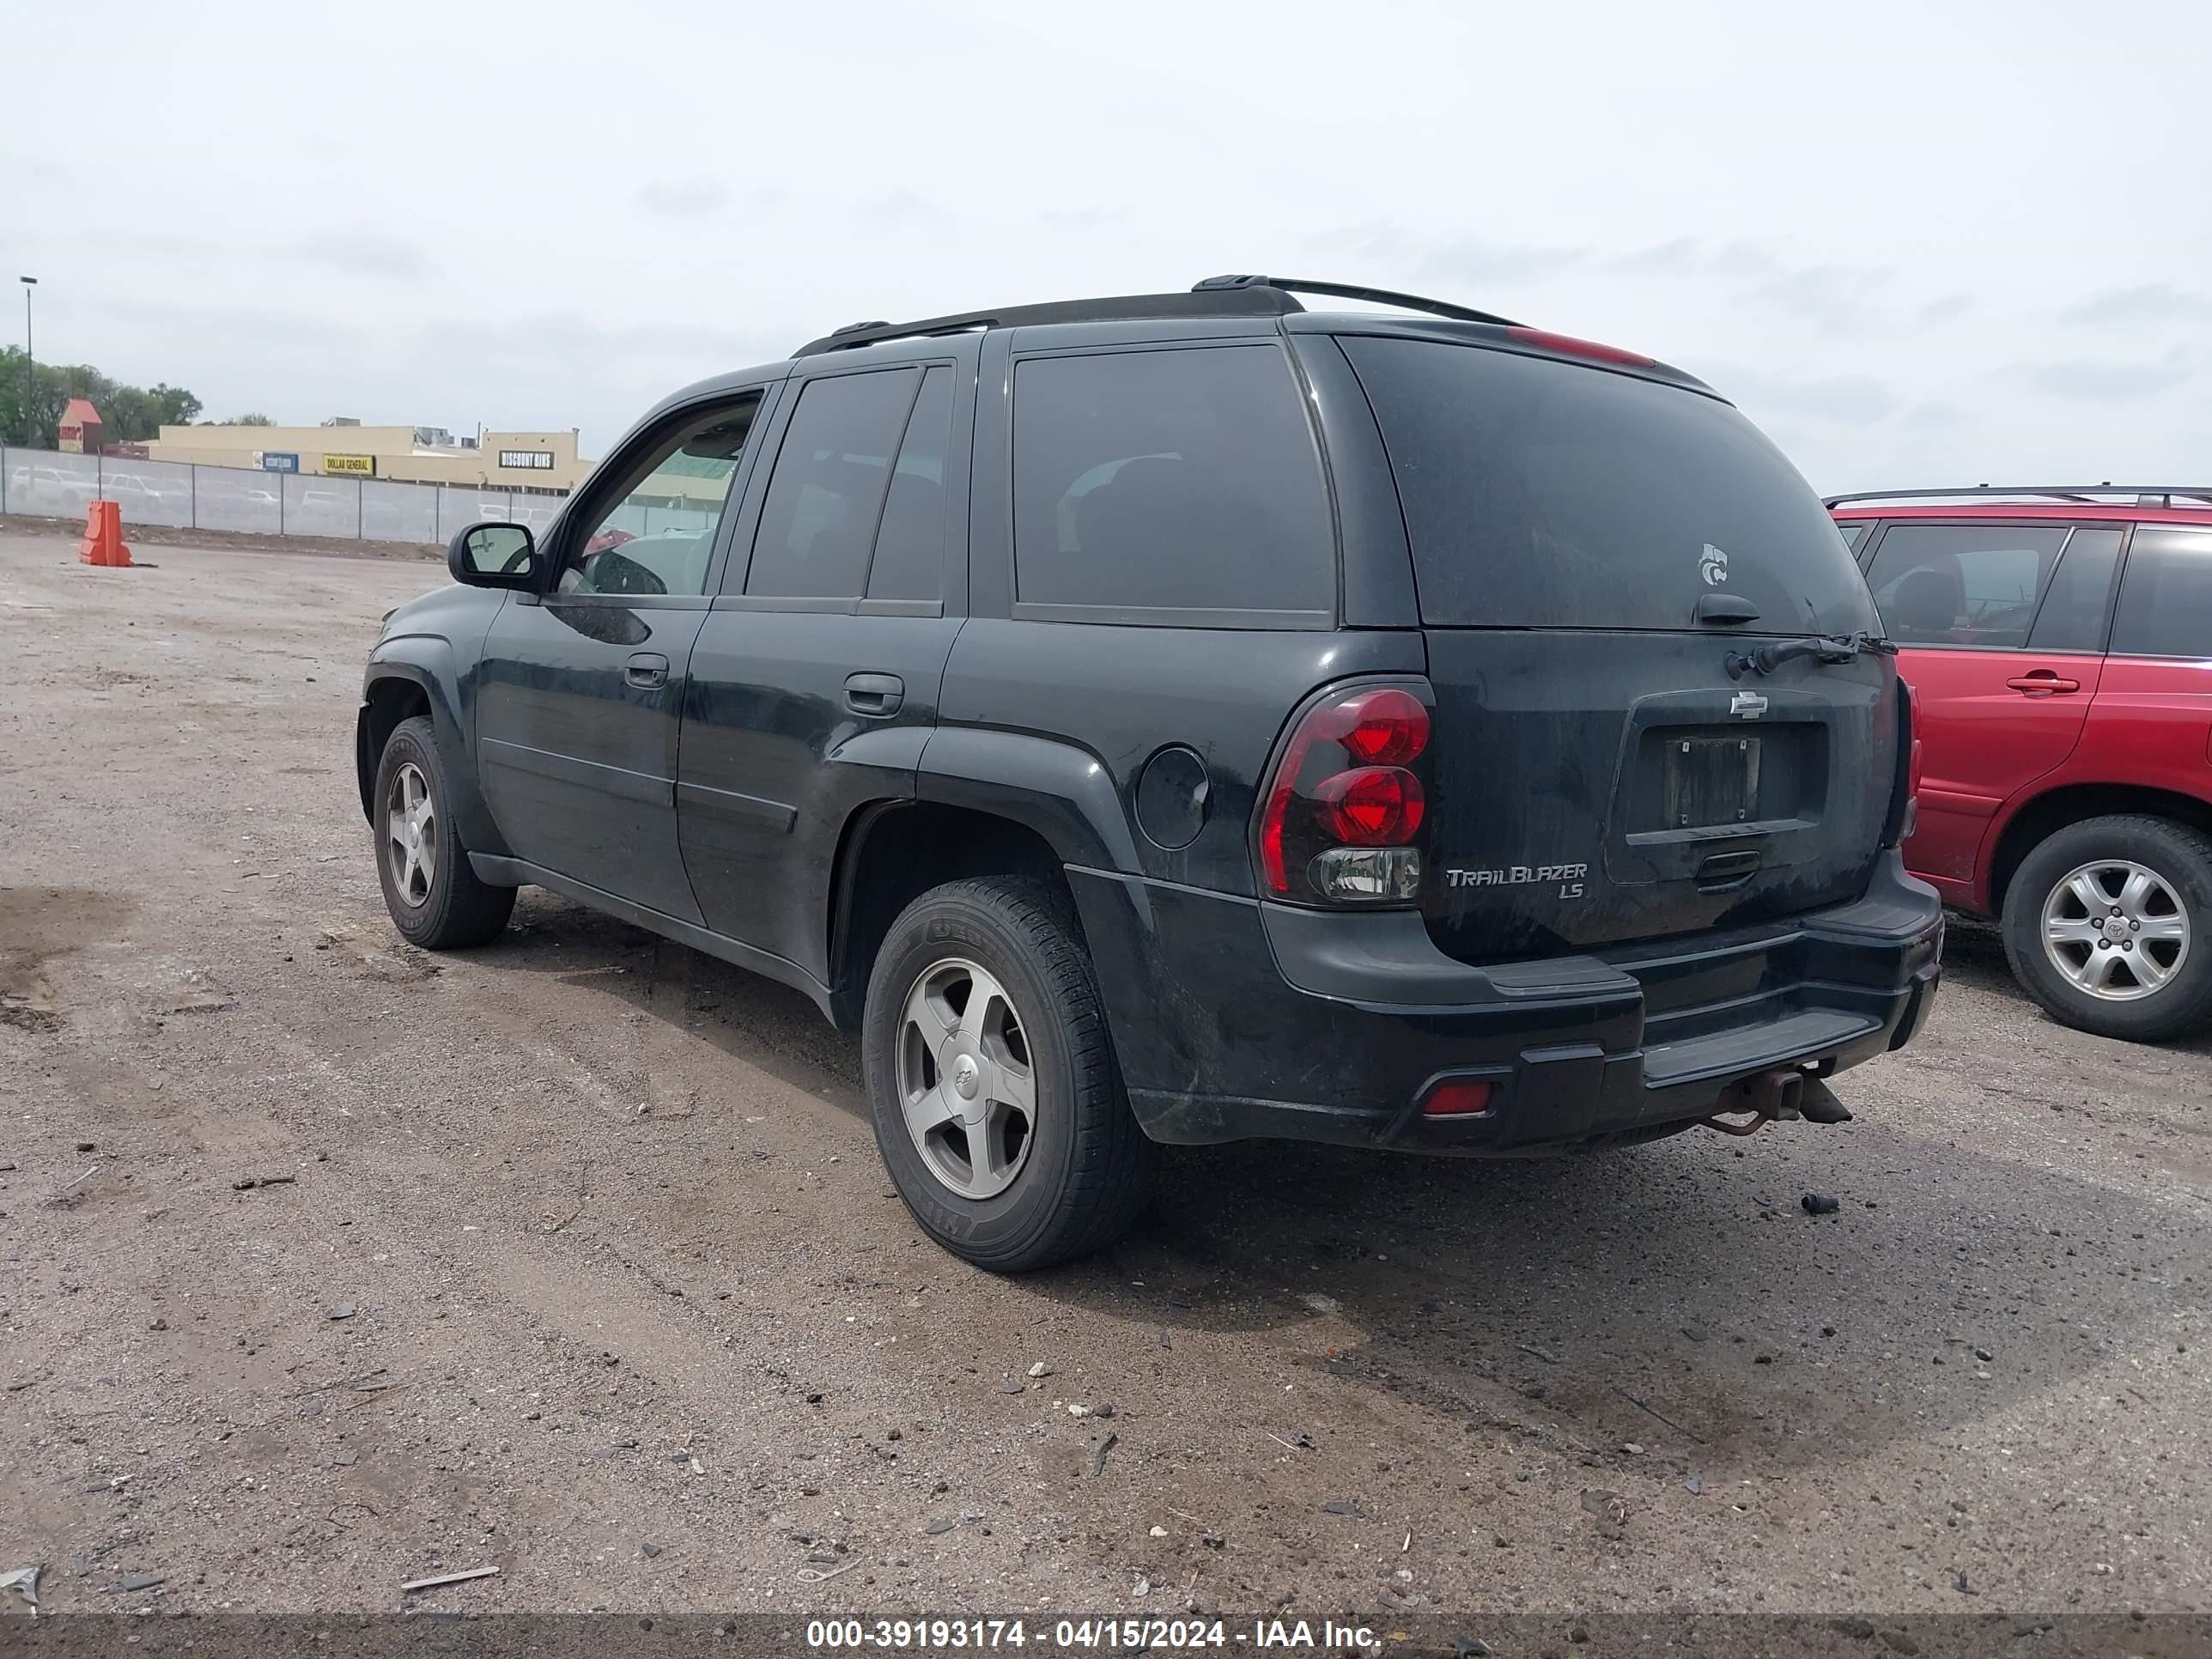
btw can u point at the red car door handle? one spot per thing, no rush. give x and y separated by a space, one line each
2044 681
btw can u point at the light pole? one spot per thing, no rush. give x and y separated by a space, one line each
30 366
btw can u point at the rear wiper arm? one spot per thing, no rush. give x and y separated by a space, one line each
1822 647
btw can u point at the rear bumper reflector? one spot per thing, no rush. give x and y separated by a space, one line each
1459 1097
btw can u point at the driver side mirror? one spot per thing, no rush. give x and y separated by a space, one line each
494 556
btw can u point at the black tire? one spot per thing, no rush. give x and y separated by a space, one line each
1082 1180
454 910
2177 855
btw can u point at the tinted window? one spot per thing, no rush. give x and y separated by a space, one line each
1963 584
2073 614
652 532
1540 494
819 520
909 560
1175 480
2166 595
1855 532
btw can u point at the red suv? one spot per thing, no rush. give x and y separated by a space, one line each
2058 642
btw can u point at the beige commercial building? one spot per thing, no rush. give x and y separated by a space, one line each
541 462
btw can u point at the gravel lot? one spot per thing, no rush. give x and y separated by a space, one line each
582 1265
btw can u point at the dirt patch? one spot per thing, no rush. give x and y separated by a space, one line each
37 926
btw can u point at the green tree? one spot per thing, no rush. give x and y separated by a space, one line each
175 405
128 413
31 408
247 420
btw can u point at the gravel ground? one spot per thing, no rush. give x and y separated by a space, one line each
579 1261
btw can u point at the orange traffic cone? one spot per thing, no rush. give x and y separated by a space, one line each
103 536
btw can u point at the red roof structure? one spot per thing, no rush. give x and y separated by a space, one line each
81 428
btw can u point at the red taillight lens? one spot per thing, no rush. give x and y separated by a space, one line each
1382 728
1349 777
1458 1096
1374 806
1271 838
1904 786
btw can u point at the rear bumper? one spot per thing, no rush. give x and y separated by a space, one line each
1235 1019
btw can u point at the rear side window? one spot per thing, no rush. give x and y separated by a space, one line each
1948 584
909 562
2072 615
1169 481
2166 595
1855 532
1544 495
819 520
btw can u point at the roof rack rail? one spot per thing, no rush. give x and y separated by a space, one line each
1217 296
1248 300
2145 495
1350 291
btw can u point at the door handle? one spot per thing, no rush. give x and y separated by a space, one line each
646 669
2042 680
874 694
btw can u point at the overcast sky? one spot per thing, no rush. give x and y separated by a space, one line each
1919 243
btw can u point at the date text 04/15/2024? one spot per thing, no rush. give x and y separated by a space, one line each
1085 1635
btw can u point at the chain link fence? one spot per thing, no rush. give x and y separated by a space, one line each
48 484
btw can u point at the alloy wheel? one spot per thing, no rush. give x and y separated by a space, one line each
967 1084
2116 930
411 833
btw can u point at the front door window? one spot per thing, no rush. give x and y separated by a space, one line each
652 530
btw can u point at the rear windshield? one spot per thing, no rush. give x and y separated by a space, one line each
1542 495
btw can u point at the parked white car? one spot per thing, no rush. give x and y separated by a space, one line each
63 484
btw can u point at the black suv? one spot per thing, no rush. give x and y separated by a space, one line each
1185 718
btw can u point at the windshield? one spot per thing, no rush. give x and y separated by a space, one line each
1540 494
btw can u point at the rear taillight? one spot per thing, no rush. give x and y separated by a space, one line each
1374 806
1341 815
1912 796
1905 787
